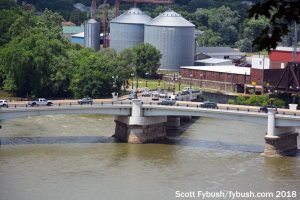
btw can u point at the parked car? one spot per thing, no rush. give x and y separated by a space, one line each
237 63
131 96
247 65
186 90
146 94
85 100
241 64
155 96
155 92
265 108
218 92
208 105
168 101
256 92
163 95
40 101
3 103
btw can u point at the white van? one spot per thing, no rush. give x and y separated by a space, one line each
186 90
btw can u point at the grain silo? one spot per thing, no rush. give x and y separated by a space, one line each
92 34
127 30
174 36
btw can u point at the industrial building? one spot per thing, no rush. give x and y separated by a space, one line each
91 34
174 36
127 30
218 52
212 62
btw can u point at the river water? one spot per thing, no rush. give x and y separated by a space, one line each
72 157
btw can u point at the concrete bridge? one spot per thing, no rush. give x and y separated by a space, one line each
141 123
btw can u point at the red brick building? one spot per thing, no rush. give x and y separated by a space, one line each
282 55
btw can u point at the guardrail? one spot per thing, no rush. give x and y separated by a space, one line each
156 104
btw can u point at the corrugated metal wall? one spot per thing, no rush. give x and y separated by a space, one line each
125 35
92 35
175 43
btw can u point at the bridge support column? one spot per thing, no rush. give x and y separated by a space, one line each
191 95
281 141
138 129
185 118
179 96
173 122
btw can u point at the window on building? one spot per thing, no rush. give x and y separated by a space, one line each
226 57
277 73
228 75
266 73
260 62
197 72
273 73
237 76
258 81
220 75
212 74
268 81
204 73
273 80
185 71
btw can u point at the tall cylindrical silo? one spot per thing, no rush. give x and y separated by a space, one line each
127 30
174 37
92 34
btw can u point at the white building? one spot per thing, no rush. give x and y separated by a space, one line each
212 62
259 62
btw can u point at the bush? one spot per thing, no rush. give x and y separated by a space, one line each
279 103
230 101
254 99
240 99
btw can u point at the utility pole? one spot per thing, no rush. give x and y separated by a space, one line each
295 41
262 87
239 38
78 19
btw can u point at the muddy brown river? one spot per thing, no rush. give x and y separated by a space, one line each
74 157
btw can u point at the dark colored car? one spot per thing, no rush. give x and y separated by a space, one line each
218 92
265 108
208 105
168 101
131 96
257 92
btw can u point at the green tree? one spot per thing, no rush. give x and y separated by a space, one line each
7 4
41 6
78 17
147 59
246 46
36 50
254 100
7 18
281 13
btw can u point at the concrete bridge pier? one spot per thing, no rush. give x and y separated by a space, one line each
173 122
138 129
280 141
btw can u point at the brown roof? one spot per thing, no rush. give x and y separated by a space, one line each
68 24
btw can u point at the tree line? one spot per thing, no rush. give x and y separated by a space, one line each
36 60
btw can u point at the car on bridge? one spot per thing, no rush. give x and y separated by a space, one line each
163 95
146 94
208 105
3 103
168 101
40 101
155 96
131 96
265 108
85 100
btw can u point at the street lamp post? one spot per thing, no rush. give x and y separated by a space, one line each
132 80
226 79
137 82
115 83
179 82
191 80
201 84
146 81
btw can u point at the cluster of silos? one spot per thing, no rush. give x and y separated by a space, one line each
174 36
92 34
127 30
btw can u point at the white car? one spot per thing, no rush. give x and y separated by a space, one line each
3 103
155 97
163 95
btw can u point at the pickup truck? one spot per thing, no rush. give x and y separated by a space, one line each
41 101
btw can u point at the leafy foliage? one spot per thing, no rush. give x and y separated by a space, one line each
246 46
147 59
281 13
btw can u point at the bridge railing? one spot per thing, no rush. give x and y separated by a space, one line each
177 104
